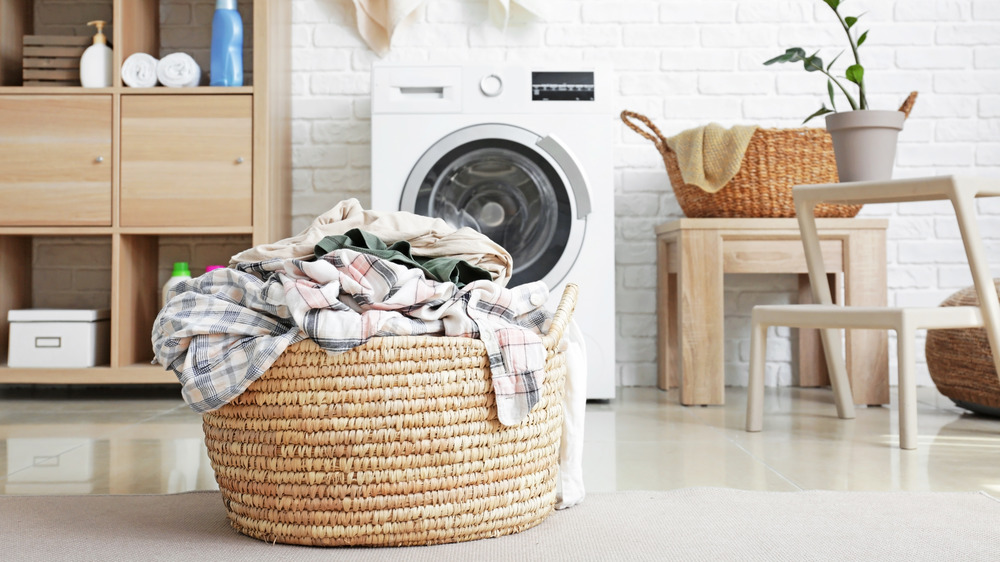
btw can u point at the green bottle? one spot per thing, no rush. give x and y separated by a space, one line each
181 273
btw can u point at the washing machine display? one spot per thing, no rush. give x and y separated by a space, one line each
562 86
523 155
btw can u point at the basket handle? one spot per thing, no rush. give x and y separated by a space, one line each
561 319
629 116
907 106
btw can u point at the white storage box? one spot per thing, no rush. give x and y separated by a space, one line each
59 338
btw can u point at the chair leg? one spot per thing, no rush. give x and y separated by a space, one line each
755 386
821 294
907 389
842 396
965 211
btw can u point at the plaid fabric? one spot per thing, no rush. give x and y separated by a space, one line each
221 331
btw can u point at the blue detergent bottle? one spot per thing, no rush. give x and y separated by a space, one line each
227 45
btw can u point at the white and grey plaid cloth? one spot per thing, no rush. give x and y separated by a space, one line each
221 331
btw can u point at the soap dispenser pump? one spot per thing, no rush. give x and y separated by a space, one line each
95 64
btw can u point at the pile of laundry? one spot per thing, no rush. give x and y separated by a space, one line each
340 283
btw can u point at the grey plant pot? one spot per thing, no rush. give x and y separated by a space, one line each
864 143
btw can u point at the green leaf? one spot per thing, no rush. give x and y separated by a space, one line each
862 38
829 88
833 4
793 54
829 66
850 21
855 73
821 111
813 63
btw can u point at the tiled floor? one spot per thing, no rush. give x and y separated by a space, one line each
56 440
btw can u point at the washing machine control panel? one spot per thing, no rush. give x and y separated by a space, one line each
562 86
491 90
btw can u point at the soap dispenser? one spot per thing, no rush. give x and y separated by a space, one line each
95 64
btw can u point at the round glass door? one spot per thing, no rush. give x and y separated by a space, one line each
508 192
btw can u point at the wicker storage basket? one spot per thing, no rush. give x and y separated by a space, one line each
960 361
775 161
394 443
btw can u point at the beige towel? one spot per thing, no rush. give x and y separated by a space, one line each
427 237
379 19
503 12
710 156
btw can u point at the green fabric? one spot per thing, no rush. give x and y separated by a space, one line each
457 271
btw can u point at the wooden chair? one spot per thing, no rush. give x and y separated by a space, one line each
962 192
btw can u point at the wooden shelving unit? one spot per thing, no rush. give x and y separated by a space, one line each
125 374
133 165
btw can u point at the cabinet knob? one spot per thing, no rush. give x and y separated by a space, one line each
99 159
239 160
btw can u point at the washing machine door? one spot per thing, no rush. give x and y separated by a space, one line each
524 191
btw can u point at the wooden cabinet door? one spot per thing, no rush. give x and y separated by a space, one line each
55 160
187 160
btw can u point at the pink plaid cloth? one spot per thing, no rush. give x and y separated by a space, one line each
244 318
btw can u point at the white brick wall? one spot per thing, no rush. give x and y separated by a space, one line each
683 63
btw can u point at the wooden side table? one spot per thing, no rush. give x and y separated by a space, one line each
694 254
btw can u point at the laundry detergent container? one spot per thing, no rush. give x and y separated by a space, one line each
394 443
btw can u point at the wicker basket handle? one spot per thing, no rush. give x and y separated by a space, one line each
907 106
561 319
659 140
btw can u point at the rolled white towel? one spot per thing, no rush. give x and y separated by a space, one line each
139 71
178 70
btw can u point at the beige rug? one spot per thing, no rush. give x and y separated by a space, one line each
688 524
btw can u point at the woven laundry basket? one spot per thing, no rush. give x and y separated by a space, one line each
775 161
961 362
394 443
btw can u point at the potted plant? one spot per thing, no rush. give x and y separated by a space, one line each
864 140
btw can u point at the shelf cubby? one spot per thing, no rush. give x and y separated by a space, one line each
47 271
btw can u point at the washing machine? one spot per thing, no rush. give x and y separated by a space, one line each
521 154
